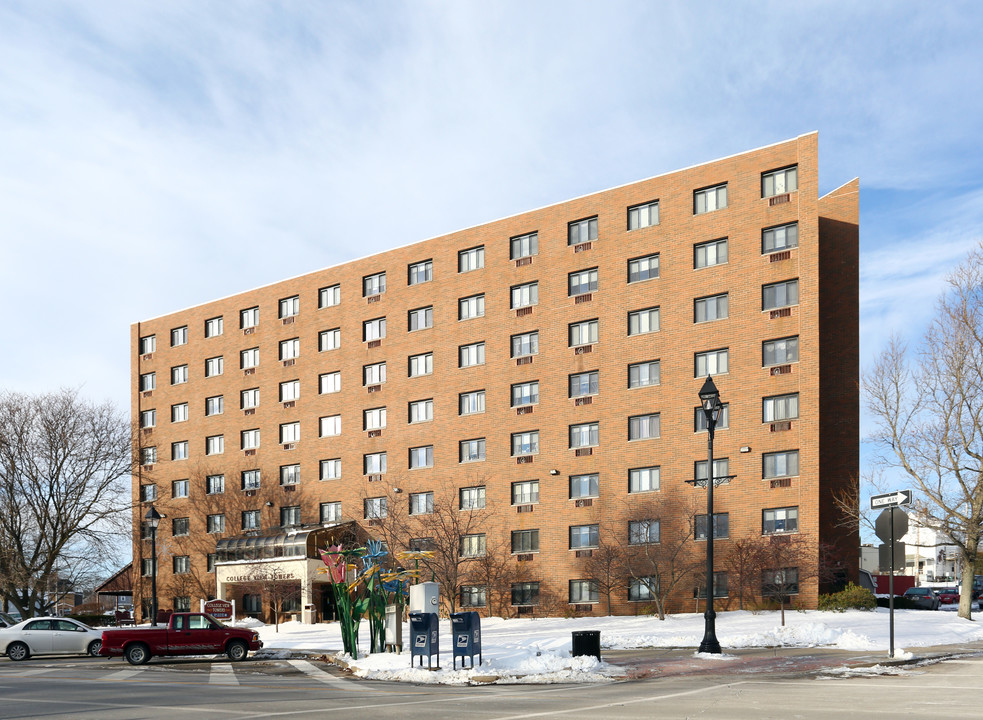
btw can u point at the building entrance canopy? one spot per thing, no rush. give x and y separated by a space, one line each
280 543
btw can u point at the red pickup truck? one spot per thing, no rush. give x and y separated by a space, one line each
186 634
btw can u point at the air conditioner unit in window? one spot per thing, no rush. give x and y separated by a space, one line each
581 247
290 488
288 320
527 360
289 404
375 433
523 261
248 331
524 557
250 493
585 298
374 343
522 312
580 452
584 502
523 508
523 459
589 400
584 553
524 410
289 446
250 453
583 349
781 426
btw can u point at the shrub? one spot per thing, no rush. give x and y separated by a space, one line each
851 597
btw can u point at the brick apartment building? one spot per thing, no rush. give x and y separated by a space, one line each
539 376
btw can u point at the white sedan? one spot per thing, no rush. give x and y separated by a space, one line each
49 636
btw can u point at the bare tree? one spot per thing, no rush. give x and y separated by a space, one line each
928 406
276 587
786 561
606 567
64 468
743 562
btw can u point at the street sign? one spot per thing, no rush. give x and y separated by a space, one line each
894 499
883 525
885 556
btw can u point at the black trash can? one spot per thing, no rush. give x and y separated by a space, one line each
586 642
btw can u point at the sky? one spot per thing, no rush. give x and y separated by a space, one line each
155 156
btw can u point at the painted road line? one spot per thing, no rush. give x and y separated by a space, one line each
29 673
121 675
222 674
314 672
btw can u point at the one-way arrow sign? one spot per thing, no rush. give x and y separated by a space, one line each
901 497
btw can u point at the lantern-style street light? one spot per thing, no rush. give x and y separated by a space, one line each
710 400
153 519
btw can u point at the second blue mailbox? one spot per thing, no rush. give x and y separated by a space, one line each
424 639
466 632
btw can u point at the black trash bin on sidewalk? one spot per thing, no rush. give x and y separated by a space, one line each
424 639
466 634
586 642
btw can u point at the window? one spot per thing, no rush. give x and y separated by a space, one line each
584 591
331 469
179 336
778 238
421 457
781 464
215 484
329 382
290 474
643 321
290 516
180 526
421 503
525 541
779 182
720 583
148 456
182 564
374 418
780 352
710 253
290 349
583 536
710 308
330 426
148 566
249 358
643 427
148 381
421 364
472 259
290 432
779 295
643 532
213 327
374 329
524 246
421 411
721 526
289 390
214 444
249 399
249 439
779 520
780 582
210 561
330 512
473 596
179 489
584 486
213 366
525 344
420 272
582 384
644 479
525 593
290 306
250 520
214 405
179 450
252 603
525 443
179 374
711 362
525 393
643 268
473 546
471 355
581 282
700 418
148 418
374 374
329 296
721 469
780 407
418 544
524 295
329 339
148 493
584 435
525 492
421 318
471 307
710 199
472 402
582 231
472 450
583 333
249 317
375 508
643 374
374 463
643 589
250 479
472 498
644 215
148 344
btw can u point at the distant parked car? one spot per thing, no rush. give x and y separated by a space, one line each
49 636
948 595
922 598
7 621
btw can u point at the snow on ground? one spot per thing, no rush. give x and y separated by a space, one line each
538 650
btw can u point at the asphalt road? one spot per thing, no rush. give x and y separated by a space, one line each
86 689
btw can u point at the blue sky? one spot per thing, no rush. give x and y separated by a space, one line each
154 156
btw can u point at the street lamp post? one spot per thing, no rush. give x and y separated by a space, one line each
153 519
710 400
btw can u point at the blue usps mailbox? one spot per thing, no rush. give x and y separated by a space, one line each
424 640
466 633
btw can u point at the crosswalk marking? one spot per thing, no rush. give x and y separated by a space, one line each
222 674
121 675
28 673
315 673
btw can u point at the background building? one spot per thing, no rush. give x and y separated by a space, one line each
522 395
